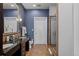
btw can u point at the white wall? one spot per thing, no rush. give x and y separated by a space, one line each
76 29
66 38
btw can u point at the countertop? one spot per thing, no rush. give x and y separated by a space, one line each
8 47
5 50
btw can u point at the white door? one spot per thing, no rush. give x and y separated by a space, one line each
40 30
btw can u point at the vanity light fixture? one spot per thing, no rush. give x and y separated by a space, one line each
20 19
12 5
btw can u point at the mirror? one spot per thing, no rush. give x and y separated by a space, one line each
10 17
11 24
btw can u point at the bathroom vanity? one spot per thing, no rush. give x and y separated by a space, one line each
16 48
11 47
24 45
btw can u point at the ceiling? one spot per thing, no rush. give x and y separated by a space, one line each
38 5
29 5
9 6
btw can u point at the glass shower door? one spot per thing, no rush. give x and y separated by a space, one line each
53 30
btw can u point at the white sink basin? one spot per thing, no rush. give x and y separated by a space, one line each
7 45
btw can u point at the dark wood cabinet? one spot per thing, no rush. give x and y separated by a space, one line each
27 46
14 50
18 51
1 28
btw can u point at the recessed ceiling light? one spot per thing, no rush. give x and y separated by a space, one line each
34 5
12 5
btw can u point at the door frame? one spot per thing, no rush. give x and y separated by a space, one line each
57 32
